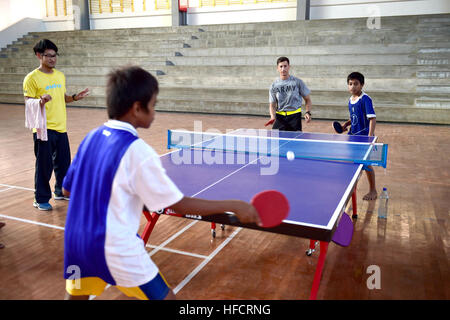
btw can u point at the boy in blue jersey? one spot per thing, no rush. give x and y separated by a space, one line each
362 121
113 175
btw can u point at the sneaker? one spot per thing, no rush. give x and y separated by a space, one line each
60 197
42 206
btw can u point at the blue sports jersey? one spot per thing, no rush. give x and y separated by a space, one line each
360 113
95 164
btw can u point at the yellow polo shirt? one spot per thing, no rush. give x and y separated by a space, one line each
38 83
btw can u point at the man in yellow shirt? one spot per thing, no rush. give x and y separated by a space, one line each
48 85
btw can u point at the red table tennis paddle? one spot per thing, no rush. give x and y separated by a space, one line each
338 127
272 207
269 122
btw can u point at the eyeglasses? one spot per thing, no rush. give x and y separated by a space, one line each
51 55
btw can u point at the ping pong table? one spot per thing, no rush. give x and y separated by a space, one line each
318 182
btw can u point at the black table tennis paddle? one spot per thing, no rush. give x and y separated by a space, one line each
338 127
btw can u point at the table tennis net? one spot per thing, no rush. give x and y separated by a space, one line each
263 145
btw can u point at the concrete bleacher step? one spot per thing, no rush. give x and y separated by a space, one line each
306 50
79 39
104 45
330 59
112 50
81 54
433 102
318 95
89 61
115 32
331 83
260 71
71 71
439 74
321 111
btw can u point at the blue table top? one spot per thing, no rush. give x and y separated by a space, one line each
317 190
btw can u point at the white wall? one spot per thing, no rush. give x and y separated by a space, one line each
319 9
335 9
12 11
262 12
18 17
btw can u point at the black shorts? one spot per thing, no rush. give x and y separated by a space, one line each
291 122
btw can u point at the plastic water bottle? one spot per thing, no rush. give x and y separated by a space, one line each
383 204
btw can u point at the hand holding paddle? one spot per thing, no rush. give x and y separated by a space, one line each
269 122
338 127
272 207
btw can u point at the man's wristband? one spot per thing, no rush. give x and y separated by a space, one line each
73 97
308 112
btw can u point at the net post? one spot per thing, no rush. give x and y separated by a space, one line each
169 136
384 156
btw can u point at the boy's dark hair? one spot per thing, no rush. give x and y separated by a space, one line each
125 87
356 76
282 59
43 45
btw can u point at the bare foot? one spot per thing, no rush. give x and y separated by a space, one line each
372 195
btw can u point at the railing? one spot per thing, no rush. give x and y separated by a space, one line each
213 3
114 6
58 8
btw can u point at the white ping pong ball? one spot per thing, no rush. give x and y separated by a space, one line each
290 155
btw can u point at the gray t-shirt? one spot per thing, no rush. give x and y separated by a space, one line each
288 93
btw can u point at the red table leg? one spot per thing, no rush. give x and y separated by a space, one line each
312 247
354 207
151 221
319 268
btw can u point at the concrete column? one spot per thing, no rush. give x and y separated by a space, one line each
303 9
81 14
175 13
178 17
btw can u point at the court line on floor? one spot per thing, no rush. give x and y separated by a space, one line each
15 187
196 255
32 222
186 280
173 237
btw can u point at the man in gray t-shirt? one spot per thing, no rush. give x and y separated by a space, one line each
285 98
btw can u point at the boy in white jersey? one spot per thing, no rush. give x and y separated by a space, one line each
113 175
362 121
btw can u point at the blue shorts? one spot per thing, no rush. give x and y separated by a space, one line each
155 289
366 168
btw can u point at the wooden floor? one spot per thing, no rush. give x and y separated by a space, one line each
411 247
